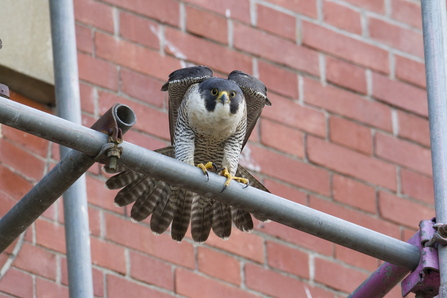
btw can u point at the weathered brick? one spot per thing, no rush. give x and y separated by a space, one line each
408 233
355 258
403 153
397 37
342 17
108 255
410 71
353 193
6 203
48 289
94 13
276 49
50 235
141 87
373 5
293 114
17 283
306 7
36 260
287 259
417 186
278 79
160 273
135 57
285 191
12 184
407 12
235 9
97 71
201 51
118 287
391 207
350 134
144 140
100 196
347 104
84 39
28 141
355 216
87 94
166 11
219 265
186 284
400 94
94 221
275 22
346 75
291 170
351 163
139 30
206 24
282 138
414 128
141 238
345 47
337 276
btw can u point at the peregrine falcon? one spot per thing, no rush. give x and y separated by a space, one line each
210 121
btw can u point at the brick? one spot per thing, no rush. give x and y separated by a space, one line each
31 143
144 140
141 238
407 12
306 7
410 71
149 120
84 39
276 49
295 115
234 9
287 259
353 193
108 255
98 72
87 93
373 5
200 51
347 162
100 196
50 235
278 79
408 233
118 287
166 11
346 75
296 237
160 274
141 87
17 283
417 186
403 153
355 258
397 37
275 22
135 57
12 184
282 138
347 104
355 216
337 276
218 265
345 47
206 24
6 203
48 289
36 260
350 134
342 17
278 285
413 128
187 284
242 244
94 220
28 102
139 30
291 170
391 208
94 13
285 191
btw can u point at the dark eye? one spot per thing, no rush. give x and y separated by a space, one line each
233 94
214 92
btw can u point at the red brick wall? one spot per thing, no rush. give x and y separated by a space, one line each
347 134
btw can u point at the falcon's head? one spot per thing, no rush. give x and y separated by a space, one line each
221 95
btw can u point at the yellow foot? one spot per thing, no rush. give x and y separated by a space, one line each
205 168
224 172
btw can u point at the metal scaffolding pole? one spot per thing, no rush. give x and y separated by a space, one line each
77 232
435 50
251 199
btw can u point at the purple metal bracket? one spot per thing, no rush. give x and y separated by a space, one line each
424 280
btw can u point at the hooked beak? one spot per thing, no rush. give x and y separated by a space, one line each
223 97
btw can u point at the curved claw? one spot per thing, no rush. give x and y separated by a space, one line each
247 184
224 172
205 168
207 176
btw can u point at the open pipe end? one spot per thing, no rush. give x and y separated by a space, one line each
125 117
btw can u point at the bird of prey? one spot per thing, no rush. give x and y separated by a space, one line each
210 121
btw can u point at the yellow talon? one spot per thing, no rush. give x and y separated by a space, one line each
227 174
205 168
